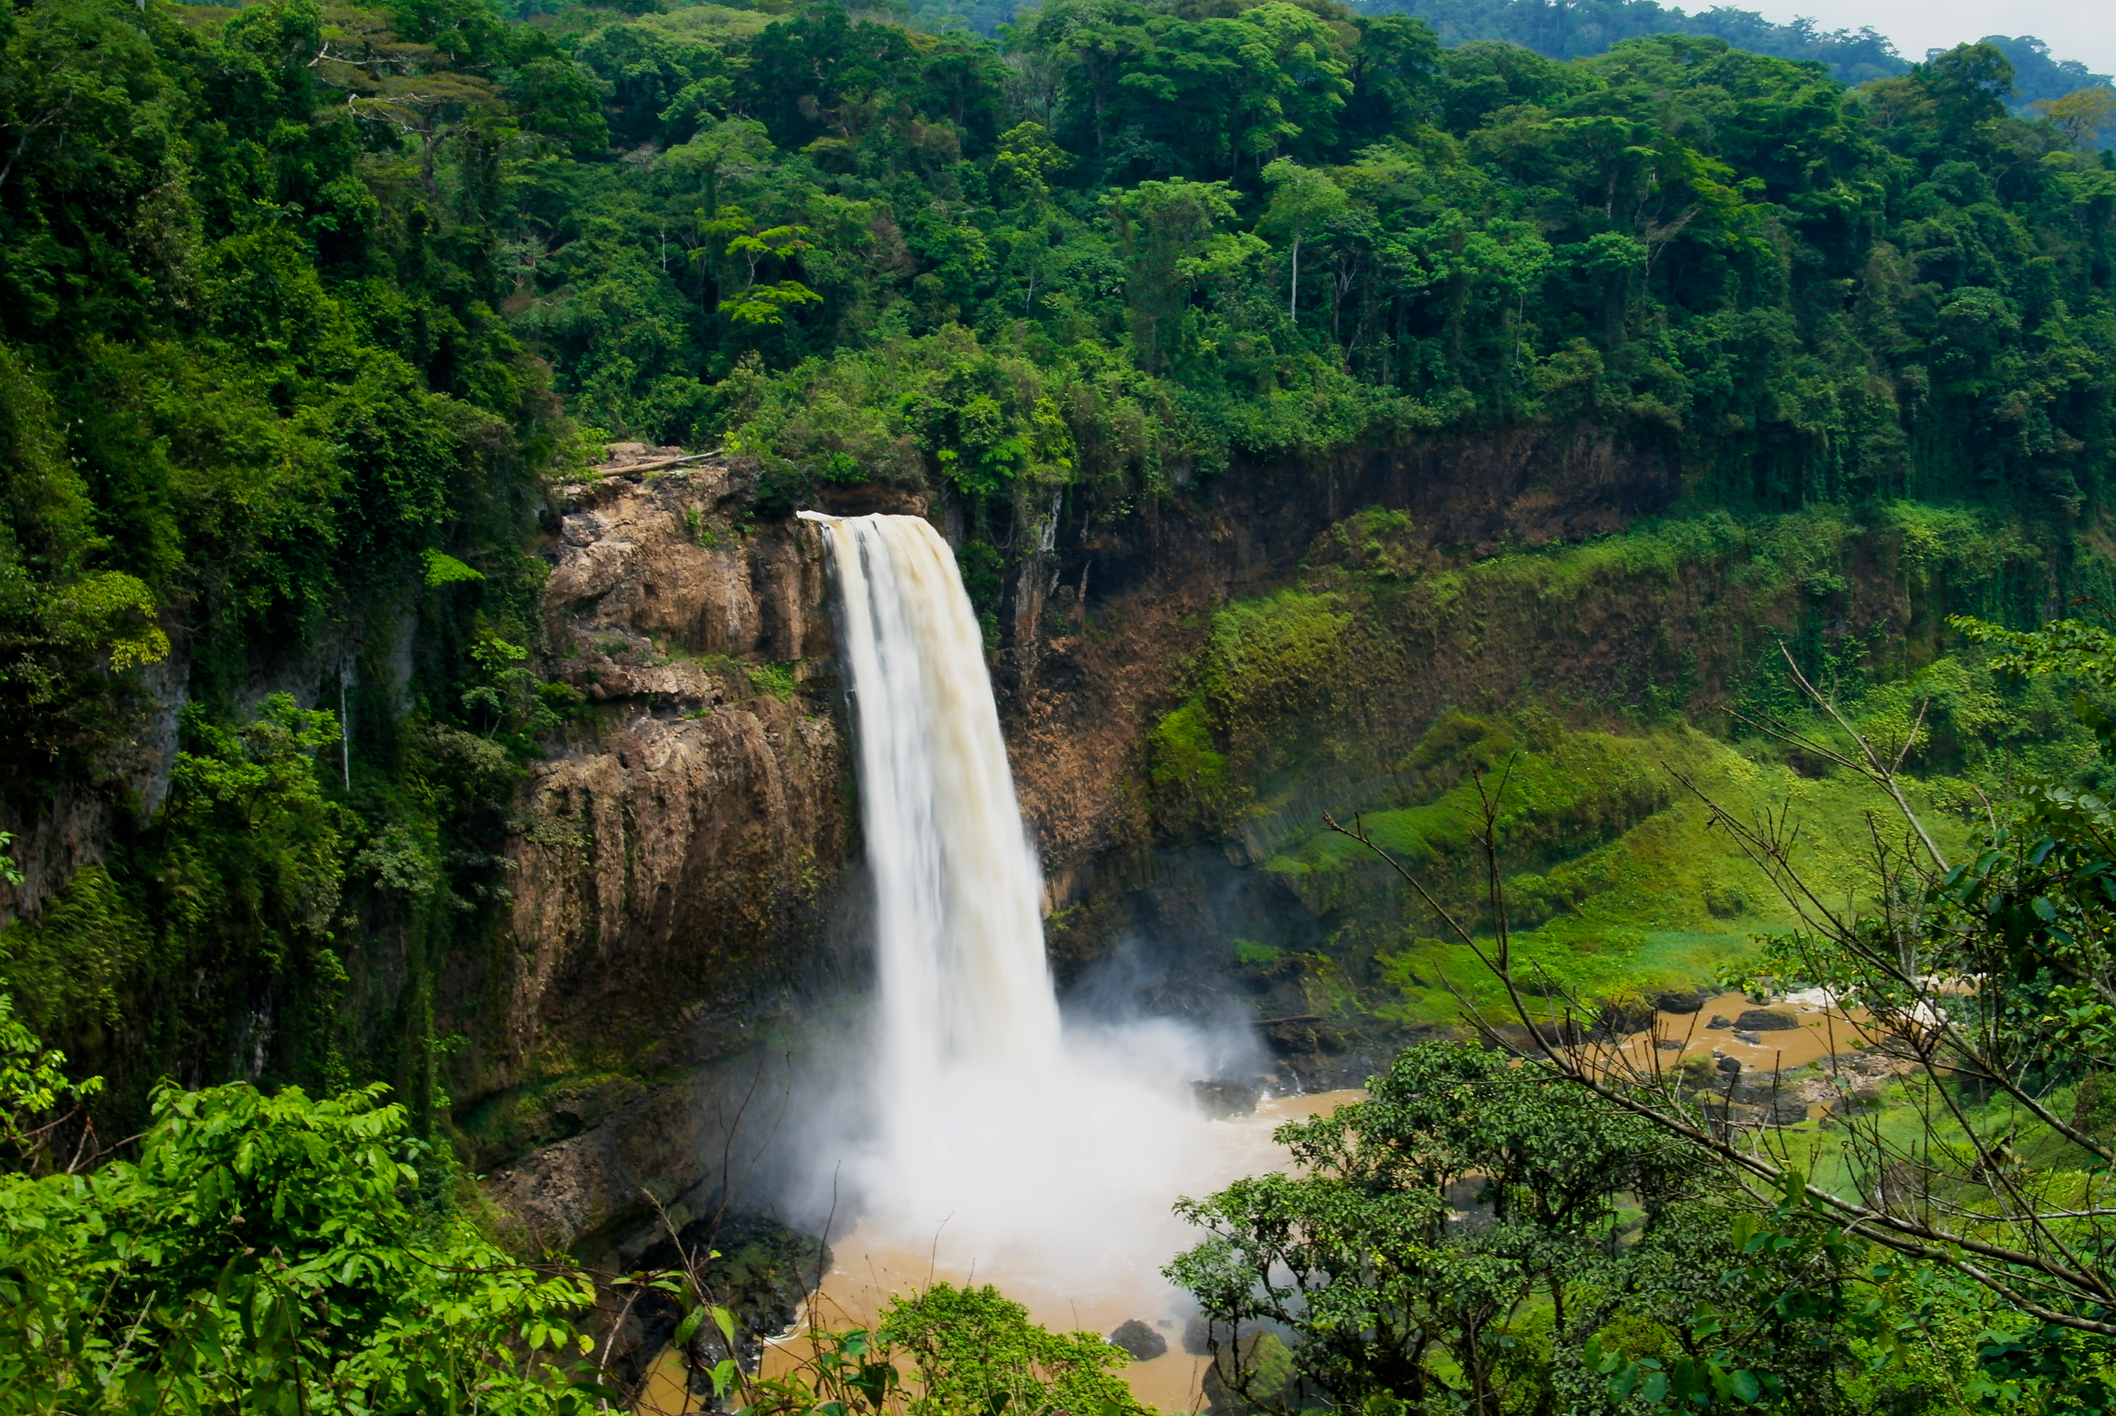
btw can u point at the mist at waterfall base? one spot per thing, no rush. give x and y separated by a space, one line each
993 1133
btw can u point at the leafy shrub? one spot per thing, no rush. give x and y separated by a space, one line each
267 1254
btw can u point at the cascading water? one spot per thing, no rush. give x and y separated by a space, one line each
959 941
1038 1150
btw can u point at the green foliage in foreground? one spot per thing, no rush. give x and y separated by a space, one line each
266 1254
943 1352
1938 1246
274 1254
1605 1267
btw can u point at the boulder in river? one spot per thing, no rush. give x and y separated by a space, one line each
1220 1098
1139 1339
1720 1020
1680 1002
1766 1020
1621 1017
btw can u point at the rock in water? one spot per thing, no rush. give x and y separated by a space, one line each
1220 1099
1719 1020
1766 1020
1621 1017
1680 1002
1140 1340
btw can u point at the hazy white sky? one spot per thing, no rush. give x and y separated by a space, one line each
2074 29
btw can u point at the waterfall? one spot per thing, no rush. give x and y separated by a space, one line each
958 929
1044 1152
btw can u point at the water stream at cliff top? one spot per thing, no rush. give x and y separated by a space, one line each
1040 1155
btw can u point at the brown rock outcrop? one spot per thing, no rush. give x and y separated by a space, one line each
674 867
676 863
665 878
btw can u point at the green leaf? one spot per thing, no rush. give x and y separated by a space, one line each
688 1327
443 569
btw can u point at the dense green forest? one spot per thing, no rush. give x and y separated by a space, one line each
302 307
1572 31
299 305
1676 241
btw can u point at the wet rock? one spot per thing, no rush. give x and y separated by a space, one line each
673 862
1220 1098
1306 1076
1700 1078
589 1191
1621 1017
1680 1002
1139 1340
1720 1020
1729 1117
1302 1037
1753 1039
1765 1020
1781 1110
1670 1044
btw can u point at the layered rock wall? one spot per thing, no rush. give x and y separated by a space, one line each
678 860
672 860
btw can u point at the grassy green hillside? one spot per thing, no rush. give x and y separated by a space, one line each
1600 693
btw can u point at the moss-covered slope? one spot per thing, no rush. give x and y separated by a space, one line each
1599 692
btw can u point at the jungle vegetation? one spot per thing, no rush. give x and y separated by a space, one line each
301 306
278 1253
1552 1218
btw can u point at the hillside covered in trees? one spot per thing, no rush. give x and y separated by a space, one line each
304 308
300 304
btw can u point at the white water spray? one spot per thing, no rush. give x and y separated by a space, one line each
1010 1142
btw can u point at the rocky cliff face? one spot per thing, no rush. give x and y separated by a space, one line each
677 861
1124 604
669 864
